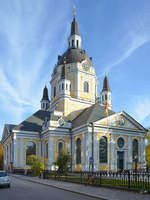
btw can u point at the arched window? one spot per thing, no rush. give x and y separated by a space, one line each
105 96
30 150
54 91
72 43
103 150
60 147
135 152
62 86
78 151
77 43
86 86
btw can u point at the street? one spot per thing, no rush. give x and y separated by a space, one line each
25 190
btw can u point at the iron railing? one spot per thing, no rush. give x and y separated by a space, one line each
127 180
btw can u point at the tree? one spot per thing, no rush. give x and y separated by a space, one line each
36 164
148 156
1 156
63 161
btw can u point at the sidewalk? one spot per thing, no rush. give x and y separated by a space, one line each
97 192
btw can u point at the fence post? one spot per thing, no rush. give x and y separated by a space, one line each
81 177
100 178
129 179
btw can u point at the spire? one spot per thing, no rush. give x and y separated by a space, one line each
45 102
74 25
45 94
106 93
106 84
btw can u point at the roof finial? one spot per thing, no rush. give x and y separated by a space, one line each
105 73
74 11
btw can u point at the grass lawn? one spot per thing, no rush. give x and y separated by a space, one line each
138 185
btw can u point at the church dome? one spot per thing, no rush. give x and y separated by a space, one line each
73 55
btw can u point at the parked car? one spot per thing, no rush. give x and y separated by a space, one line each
4 179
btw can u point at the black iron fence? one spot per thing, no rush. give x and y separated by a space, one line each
127 180
131 180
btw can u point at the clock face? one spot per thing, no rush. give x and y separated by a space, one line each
86 66
61 122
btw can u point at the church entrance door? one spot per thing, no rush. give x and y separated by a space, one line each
120 160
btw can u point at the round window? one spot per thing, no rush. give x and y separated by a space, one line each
120 142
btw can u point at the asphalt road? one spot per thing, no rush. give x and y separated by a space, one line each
25 190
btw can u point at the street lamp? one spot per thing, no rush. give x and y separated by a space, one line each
135 161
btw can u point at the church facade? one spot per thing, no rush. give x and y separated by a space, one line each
74 121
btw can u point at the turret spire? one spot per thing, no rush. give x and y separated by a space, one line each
106 93
45 102
106 84
74 38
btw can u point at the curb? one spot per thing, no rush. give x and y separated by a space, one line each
65 189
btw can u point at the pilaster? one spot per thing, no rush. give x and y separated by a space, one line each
129 153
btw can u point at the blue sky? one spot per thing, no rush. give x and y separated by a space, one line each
33 33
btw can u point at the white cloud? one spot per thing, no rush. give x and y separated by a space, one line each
141 108
130 47
28 33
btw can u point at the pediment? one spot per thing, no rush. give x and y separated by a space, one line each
121 120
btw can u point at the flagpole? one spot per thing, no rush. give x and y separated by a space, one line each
107 129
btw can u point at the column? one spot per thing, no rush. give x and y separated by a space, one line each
144 154
21 152
88 149
50 152
95 152
82 152
112 152
129 153
15 151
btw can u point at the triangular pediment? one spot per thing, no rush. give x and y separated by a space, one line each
121 120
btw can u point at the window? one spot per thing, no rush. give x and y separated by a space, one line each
72 43
78 151
54 91
103 150
59 87
135 150
77 43
86 86
62 86
46 150
60 147
120 142
30 150
105 96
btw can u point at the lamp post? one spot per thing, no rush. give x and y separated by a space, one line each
135 161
